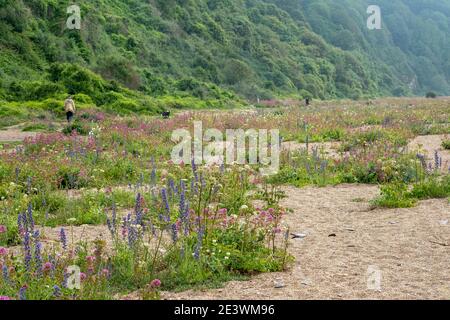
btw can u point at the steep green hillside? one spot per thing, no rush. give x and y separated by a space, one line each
414 42
211 50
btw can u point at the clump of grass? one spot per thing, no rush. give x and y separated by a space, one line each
399 195
446 144
76 126
395 195
431 188
38 127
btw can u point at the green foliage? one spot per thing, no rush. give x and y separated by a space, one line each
431 95
258 49
69 178
398 195
76 126
431 188
394 195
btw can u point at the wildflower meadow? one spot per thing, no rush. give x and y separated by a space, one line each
99 210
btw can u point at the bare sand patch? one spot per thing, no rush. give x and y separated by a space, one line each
15 135
408 246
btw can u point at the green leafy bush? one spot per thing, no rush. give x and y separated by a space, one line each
446 144
395 195
76 126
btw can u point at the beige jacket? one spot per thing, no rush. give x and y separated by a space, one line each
69 105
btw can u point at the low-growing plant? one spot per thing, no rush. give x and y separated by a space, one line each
395 195
76 126
446 144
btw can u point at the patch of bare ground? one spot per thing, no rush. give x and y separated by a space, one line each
428 145
344 240
14 135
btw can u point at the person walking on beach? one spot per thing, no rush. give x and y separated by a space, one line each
69 108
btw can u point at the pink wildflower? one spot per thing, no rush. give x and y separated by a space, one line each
155 283
105 273
90 259
47 266
3 251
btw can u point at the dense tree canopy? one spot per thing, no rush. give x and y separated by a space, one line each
255 48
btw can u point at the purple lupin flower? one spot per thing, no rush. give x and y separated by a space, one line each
114 216
17 173
20 224
23 293
166 203
171 187
153 177
112 223
132 236
5 273
194 187
53 262
27 249
65 279
174 232
56 291
124 227
184 208
186 219
138 209
63 238
437 160
421 158
109 225
194 169
182 198
38 257
202 180
30 217
199 244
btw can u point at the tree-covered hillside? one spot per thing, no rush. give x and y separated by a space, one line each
129 50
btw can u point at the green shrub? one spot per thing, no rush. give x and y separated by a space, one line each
431 188
69 178
446 144
38 127
82 98
394 195
77 126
